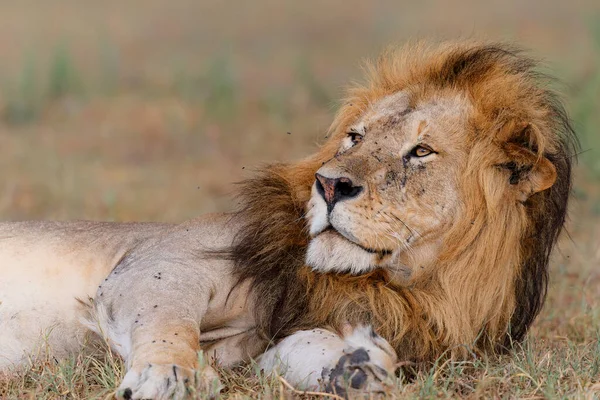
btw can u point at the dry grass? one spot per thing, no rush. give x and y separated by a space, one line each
130 111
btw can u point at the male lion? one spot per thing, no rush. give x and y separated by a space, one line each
437 200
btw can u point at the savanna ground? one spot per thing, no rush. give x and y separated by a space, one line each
151 110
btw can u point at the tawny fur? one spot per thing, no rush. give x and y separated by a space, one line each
490 280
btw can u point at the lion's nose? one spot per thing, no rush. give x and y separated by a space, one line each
336 189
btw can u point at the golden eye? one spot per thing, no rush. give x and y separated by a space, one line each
355 137
421 151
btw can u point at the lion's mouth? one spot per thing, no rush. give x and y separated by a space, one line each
331 230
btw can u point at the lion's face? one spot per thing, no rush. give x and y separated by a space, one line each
391 191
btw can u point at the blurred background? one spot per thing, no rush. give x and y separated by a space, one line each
150 110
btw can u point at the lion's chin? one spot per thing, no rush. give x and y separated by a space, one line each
331 252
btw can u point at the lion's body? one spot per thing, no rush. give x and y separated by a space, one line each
47 268
437 201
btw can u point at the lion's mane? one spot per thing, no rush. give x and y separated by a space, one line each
491 279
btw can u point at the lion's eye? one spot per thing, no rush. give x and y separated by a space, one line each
355 137
421 151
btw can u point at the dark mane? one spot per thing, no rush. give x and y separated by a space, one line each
547 211
269 248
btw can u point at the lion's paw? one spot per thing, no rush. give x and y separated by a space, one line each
367 366
357 373
159 382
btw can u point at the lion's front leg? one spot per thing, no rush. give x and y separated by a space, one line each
156 329
164 363
359 360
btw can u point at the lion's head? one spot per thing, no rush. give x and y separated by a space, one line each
430 211
392 190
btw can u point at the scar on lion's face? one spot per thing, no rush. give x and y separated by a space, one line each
391 189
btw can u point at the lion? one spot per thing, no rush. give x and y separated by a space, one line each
422 228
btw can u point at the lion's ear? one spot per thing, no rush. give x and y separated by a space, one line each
528 173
